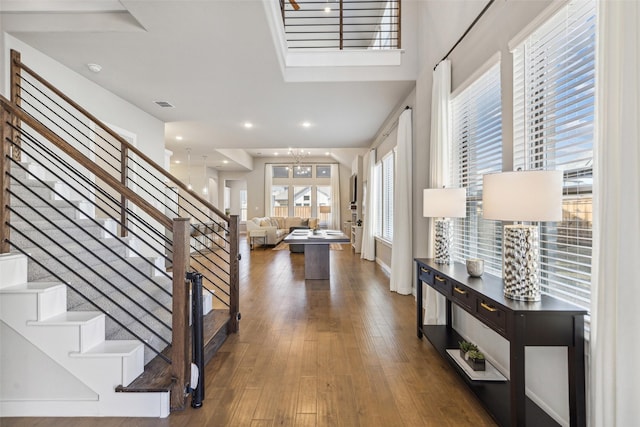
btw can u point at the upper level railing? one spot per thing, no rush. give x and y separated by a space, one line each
122 186
342 24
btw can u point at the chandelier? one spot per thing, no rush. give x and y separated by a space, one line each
298 156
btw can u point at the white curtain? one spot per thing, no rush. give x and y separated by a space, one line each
268 181
335 197
368 250
439 172
402 250
615 345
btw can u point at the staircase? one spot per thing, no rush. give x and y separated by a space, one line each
94 303
65 367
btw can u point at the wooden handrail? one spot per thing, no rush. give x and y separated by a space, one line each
5 165
87 163
16 61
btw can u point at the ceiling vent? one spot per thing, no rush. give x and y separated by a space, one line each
164 104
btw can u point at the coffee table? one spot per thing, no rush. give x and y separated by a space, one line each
316 250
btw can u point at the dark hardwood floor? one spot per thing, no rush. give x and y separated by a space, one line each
342 352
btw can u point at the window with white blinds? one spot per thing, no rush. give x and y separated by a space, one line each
477 150
554 79
384 181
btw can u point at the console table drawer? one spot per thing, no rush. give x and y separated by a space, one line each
426 275
462 296
441 284
492 315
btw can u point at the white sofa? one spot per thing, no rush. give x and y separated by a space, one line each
277 227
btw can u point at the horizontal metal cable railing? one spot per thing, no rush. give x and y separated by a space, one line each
91 210
210 244
342 24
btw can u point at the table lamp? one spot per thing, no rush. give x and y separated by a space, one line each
444 203
522 196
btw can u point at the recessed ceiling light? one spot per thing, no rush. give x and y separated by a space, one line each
95 68
327 10
177 162
248 125
275 154
225 161
327 153
306 124
178 138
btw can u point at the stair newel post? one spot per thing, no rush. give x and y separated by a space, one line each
234 276
124 175
16 99
180 358
5 165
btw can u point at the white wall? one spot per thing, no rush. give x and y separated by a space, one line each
101 103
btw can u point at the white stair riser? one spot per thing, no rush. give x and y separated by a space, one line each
102 374
119 404
35 304
109 370
13 270
77 337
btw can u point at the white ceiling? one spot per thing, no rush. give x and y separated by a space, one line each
217 62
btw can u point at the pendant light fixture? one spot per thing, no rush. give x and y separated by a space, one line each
189 186
205 190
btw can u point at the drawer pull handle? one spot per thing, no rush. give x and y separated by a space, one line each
424 270
439 279
460 291
488 307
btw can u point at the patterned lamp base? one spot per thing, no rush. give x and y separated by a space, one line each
444 241
521 270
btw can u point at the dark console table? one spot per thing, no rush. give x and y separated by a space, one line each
549 322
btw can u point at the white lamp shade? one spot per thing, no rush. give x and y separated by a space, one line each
444 202
522 196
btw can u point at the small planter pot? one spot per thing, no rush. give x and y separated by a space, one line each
476 364
463 354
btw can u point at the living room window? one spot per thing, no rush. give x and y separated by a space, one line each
476 111
280 200
554 88
243 205
302 201
384 186
306 193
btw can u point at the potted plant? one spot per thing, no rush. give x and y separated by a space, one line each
465 348
476 360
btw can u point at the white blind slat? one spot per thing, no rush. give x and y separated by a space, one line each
477 150
554 86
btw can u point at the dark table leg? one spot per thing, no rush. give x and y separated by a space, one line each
316 262
518 415
419 301
577 404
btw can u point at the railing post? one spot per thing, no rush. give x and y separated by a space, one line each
124 174
5 164
180 360
234 276
15 71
